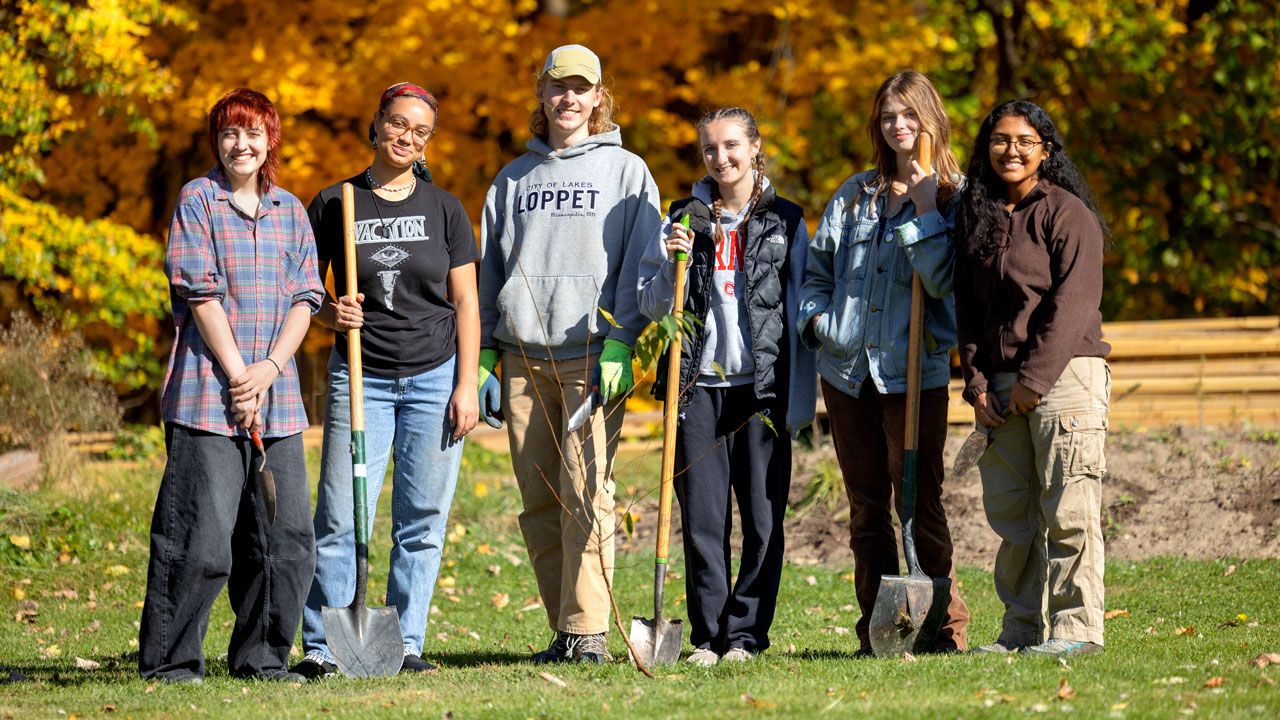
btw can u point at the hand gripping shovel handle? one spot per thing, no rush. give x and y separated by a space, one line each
670 413
915 350
356 377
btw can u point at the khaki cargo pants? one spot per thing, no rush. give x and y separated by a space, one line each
571 545
1042 490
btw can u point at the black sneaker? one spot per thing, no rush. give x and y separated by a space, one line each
415 664
589 648
557 651
314 668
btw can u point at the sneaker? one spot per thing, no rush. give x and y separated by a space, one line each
557 651
737 654
998 647
589 648
703 657
415 664
1065 648
284 676
314 667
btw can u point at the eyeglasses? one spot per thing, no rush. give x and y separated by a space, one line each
1022 146
399 124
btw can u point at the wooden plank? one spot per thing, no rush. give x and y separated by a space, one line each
1194 367
1159 328
1224 343
1194 385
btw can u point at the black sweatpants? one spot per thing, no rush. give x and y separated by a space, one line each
722 446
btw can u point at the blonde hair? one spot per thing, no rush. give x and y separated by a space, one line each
601 119
919 94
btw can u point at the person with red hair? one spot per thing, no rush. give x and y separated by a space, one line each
243 285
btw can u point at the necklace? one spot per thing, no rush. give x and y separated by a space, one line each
413 181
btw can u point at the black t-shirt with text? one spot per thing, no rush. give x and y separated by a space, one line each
404 251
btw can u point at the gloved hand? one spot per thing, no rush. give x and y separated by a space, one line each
490 389
615 374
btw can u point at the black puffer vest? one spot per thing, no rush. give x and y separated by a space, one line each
766 248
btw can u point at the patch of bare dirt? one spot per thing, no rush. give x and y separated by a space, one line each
1176 492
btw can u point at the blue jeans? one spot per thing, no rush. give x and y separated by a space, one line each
407 415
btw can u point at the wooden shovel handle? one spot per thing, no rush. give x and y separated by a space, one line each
355 371
669 414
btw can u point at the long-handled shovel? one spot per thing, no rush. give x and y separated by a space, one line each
659 640
365 642
909 609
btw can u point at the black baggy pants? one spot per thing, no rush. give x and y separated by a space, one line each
210 529
722 446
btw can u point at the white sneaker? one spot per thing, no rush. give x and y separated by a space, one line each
703 657
737 654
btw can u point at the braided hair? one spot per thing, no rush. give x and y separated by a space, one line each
407 90
982 216
747 122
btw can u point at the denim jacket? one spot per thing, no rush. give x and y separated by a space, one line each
861 284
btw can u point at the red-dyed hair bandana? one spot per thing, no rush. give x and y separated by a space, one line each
407 89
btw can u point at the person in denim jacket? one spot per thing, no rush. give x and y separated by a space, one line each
883 225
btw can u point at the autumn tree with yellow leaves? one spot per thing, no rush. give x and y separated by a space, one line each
1168 104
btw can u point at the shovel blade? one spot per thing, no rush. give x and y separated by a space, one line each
365 642
267 482
657 642
908 613
970 452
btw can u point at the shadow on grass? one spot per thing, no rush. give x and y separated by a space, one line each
479 658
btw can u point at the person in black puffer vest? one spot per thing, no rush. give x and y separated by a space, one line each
745 382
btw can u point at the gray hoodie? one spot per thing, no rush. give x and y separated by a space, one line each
561 232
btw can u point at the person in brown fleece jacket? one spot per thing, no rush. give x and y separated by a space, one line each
1028 284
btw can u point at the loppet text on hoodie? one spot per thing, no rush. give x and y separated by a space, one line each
561 233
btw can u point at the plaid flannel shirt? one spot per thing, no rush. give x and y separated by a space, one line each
258 268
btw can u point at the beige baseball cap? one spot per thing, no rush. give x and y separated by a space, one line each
568 60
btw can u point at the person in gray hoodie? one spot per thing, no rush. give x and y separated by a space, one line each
563 230
743 376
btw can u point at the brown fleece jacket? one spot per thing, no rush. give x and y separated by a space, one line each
1032 306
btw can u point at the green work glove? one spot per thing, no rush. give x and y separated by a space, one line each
615 369
490 390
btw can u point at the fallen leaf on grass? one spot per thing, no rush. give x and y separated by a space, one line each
1114 613
484 549
1173 680
87 664
1216 681
837 629
1188 630
531 606
811 580
51 651
1065 691
21 541
117 570
749 699
495 570
1231 569
17 593
1266 659
150 689
108 708
1119 706
65 593
482 489
553 679
908 658
500 600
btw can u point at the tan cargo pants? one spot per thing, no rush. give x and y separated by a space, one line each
571 544
1042 491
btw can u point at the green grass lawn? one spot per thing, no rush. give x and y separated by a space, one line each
73 567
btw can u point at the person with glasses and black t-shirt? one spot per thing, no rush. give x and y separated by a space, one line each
420 334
